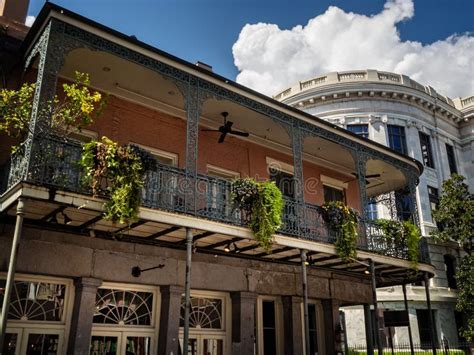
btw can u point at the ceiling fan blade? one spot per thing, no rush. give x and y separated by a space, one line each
239 133
210 130
222 137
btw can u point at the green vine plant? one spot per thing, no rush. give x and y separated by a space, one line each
402 233
264 202
455 219
77 108
116 173
344 221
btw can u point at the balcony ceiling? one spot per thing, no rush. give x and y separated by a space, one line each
130 81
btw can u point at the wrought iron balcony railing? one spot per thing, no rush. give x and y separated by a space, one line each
55 164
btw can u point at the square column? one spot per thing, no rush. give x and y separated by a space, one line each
243 322
293 325
332 342
82 315
171 296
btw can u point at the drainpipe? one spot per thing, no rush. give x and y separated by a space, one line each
187 288
20 212
430 313
374 298
305 301
410 337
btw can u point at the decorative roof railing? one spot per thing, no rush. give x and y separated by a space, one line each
371 76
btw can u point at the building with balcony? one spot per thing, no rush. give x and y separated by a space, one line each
188 272
396 111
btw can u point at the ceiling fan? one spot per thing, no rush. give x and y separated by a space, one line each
370 176
226 129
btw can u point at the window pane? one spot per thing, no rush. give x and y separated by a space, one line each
122 307
269 329
333 194
213 347
396 138
450 265
451 159
426 152
103 345
39 344
10 343
313 333
284 181
138 346
359 129
423 318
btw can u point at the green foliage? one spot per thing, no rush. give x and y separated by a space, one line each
465 302
244 192
455 213
455 218
265 203
397 233
344 221
77 109
15 110
115 172
80 106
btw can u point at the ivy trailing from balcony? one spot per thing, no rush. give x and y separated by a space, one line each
116 173
344 221
402 234
263 201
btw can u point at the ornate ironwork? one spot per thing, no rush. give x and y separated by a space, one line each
123 307
360 160
165 187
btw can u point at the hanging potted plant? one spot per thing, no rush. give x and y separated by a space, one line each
344 221
263 202
399 235
116 173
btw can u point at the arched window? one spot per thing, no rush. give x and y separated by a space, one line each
450 266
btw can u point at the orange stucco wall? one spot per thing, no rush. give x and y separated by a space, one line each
125 122
129 122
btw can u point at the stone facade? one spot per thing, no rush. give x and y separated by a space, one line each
379 99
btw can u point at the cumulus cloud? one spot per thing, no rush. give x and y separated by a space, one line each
29 21
271 59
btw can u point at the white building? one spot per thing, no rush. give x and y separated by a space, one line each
399 112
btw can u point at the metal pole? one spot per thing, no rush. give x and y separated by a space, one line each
20 212
305 301
428 303
410 336
374 298
187 288
368 330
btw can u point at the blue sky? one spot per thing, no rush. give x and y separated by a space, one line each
206 30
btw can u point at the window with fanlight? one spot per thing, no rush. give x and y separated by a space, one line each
124 320
209 323
38 315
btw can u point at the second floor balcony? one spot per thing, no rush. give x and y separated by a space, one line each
169 188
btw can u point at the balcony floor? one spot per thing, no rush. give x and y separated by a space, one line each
46 209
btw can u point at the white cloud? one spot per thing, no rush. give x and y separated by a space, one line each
271 59
29 21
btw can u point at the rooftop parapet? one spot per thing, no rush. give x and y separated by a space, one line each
376 76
